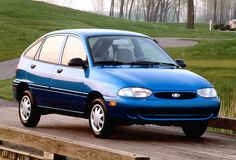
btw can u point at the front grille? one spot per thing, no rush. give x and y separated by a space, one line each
175 95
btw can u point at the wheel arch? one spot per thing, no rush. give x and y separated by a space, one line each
20 89
90 98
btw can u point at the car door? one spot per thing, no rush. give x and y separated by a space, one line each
68 82
42 67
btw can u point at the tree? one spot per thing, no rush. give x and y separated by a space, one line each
221 11
112 8
121 14
190 15
214 13
178 12
130 9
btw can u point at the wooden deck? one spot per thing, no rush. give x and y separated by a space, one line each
153 141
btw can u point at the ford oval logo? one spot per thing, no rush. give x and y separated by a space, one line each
175 95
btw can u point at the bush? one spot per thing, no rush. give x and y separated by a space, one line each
216 26
222 28
227 27
221 25
232 29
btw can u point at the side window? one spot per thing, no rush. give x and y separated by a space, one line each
33 50
73 49
51 49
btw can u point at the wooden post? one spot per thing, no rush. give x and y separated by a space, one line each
51 156
210 25
48 156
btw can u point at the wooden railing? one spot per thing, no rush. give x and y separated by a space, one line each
223 123
58 147
55 148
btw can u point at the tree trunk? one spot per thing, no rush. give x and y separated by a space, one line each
221 12
126 9
121 14
162 10
112 8
214 12
130 9
178 13
156 10
234 14
190 18
167 3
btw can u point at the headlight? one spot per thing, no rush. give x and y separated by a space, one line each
207 92
135 92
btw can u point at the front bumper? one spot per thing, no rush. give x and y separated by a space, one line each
163 111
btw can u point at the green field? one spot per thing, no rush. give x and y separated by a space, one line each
23 21
215 60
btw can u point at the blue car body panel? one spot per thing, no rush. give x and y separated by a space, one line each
69 90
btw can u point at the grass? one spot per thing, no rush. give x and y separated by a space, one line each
6 88
23 21
215 60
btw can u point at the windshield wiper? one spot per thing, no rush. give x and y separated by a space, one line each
142 63
168 64
151 63
109 63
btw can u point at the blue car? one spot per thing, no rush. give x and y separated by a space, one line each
112 78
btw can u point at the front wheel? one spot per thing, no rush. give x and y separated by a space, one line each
195 130
28 112
99 121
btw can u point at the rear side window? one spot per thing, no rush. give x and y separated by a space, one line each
33 50
73 49
51 49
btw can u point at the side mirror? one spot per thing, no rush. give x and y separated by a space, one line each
181 63
78 62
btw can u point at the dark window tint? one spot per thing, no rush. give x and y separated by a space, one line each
73 49
51 49
33 50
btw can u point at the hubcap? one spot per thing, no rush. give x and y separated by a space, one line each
25 108
97 118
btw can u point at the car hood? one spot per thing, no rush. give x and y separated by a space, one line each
159 79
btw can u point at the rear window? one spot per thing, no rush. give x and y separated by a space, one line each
33 50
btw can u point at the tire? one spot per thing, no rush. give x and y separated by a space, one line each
28 112
100 123
195 130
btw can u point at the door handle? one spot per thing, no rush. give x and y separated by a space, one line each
32 66
59 70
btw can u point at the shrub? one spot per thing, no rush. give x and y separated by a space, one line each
216 26
227 27
232 29
222 28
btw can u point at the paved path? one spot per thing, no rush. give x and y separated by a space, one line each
176 42
8 69
157 142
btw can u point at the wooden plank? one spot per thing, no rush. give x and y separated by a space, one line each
64 147
16 154
223 123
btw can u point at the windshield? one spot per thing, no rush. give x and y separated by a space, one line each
127 50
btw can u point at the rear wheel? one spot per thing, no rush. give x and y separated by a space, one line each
28 112
195 130
99 121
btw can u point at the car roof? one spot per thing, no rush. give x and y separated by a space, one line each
96 32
